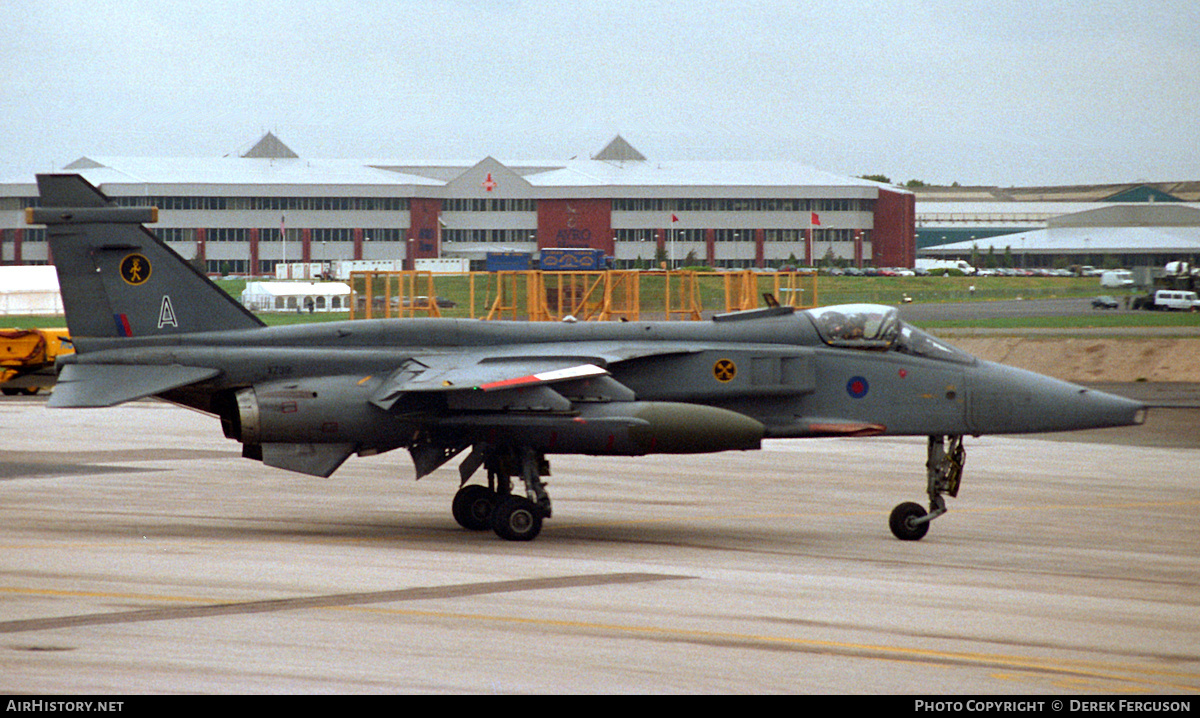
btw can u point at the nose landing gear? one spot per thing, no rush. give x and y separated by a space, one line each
943 468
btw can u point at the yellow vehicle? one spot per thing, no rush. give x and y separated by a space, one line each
27 358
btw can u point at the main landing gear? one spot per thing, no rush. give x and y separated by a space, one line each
512 517
944 466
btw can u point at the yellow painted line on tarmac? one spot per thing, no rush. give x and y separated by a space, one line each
1091 670
1088 506
1079 673
19 591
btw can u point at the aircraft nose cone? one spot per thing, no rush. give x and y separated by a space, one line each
1097 409
1009 400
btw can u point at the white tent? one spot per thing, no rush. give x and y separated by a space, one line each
29 290
296 296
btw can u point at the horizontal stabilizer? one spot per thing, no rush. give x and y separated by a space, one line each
95 385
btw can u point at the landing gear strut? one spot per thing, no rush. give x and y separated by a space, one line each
512 517
944 466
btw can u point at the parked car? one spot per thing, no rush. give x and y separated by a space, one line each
422 302
1105 302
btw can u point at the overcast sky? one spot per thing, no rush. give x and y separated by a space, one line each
1003 92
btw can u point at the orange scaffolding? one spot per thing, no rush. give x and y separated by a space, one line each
586 296
392 294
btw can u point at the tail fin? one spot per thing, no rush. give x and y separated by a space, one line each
117 279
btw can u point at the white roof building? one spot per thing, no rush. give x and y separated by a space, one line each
1142 234
244 214
949 219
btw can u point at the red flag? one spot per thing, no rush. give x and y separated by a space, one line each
674 218
816 219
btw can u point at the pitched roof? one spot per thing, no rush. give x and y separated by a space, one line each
618 150
270 147
1142 193
618 166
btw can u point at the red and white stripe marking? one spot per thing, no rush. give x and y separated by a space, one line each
575 372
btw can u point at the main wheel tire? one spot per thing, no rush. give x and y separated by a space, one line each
473 506
516 518
901 522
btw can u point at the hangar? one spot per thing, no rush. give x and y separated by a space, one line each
1119 235
1136 224
245 213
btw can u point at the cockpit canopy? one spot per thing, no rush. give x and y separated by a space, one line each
878 327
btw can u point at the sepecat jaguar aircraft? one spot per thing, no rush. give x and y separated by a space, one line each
305 398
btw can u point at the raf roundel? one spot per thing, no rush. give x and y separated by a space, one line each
857 387
135 269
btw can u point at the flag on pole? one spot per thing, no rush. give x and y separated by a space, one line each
674 218
816 219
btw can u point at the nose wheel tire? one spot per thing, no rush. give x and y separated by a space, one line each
902 522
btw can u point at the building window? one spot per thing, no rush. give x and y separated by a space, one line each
635 235
475 204
226 266
734 235
343 204
227 234
384 235
332 234
833 235
493 236
783 235
175 234
741 204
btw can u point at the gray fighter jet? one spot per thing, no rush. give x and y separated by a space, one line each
304 398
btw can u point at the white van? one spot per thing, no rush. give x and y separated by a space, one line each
1116 278
938 266
1176 299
